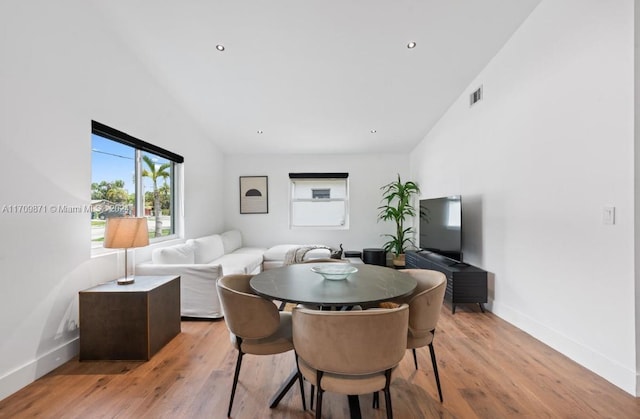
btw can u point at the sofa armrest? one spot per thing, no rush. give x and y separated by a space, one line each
198 292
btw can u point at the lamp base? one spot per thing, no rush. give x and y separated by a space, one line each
125 281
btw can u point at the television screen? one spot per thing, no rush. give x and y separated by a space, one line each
441 226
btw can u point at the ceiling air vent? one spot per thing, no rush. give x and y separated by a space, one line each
475 97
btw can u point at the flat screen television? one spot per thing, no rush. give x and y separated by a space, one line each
441 226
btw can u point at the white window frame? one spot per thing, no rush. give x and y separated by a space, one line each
305 179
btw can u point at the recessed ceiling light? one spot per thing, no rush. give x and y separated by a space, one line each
373 131
260 131
220 47
411 45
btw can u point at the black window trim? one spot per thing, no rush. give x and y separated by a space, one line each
335 175
123 138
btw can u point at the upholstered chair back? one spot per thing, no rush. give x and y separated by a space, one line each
425 304
351 342
247 315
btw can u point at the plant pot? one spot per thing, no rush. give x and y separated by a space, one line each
398 261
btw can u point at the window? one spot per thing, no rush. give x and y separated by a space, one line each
130 177
321 193
319 200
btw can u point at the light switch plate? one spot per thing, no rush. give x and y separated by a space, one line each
609 215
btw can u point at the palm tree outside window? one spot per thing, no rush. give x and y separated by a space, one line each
160 202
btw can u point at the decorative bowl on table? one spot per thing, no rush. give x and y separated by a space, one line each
334 272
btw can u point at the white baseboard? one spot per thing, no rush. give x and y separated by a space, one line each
44 364
620 376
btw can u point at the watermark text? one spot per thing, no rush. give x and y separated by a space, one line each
8 209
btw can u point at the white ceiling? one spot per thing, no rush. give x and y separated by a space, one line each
316 76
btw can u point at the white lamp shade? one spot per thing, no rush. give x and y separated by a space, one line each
126 232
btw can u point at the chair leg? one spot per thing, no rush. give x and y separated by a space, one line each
235 380
304 402
313 391
415 358
319 397
301 380
387 394
376 400
387 403
435 369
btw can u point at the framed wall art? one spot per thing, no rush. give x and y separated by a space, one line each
254 195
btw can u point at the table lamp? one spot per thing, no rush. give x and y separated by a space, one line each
126 233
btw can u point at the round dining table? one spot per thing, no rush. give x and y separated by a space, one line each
297 283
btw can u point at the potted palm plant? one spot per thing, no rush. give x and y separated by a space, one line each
397 207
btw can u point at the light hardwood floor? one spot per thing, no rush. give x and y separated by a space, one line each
488 368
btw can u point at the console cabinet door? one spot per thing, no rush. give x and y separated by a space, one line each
465 283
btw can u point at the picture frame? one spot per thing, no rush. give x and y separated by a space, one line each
254 195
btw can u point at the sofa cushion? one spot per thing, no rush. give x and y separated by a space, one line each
173 255
207 248
239 263
231 240
277 252
257 251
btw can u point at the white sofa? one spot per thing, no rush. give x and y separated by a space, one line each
200 262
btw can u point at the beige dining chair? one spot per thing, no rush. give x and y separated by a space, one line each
256 327
425 305
350 352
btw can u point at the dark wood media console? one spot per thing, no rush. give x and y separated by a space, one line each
465 283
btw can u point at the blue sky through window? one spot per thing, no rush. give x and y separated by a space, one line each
112 161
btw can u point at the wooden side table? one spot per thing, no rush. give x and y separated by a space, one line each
129 322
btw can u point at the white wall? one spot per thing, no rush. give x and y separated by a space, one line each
367 173
59 70
535 162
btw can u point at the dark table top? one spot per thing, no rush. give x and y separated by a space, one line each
298 284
